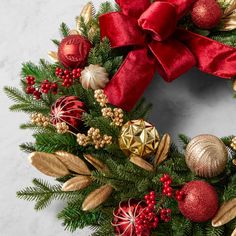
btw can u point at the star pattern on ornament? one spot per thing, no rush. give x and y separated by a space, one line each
139 138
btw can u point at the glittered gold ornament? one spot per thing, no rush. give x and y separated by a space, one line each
206 156
138 138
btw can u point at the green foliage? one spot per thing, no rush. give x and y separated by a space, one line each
44 193
73 217
64 29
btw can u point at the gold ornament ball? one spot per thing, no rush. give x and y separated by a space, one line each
138 138
206 156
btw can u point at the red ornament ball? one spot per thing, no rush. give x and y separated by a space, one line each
68 109
73 51
206 14
199 202
125 217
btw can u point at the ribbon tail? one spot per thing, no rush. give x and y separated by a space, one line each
131 80
173 57
212 57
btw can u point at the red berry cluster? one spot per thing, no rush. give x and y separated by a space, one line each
67 76
148 219
47 86
167 189
179 195
165 214
30 89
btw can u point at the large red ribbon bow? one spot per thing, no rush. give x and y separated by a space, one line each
158 44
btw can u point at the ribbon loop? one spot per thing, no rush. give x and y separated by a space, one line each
121 30
156 19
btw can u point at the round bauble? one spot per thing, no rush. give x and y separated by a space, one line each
206 156
138 138
200 201
68 109
125 216
94 77
206 14
73 51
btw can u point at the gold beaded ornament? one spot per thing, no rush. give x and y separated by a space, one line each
233 143
94 137
40 120
62 127
138 138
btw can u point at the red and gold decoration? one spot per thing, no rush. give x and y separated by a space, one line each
206 14
199 202
133 23
73 51
138 138
68 109
206 156
134 217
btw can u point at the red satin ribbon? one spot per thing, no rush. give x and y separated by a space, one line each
151 30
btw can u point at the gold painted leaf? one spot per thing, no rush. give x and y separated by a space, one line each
77 183
53 56
100 166
73 163
226 213
162 150
141 163
97 197
48 164
234 232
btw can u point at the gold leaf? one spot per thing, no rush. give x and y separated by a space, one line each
234 232
141 163
234 84
87 14
73 32
53 56
229 23
48 164
73 163
162 150
77 183
226 213
96 163
97 197
231 6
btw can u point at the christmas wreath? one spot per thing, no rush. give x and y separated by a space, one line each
91 133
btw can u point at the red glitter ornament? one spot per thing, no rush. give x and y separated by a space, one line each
206 14
68 109
73 51
200 201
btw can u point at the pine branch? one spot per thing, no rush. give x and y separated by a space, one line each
64 30
28 147
44 193
73 217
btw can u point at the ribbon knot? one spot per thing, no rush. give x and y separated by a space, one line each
170 51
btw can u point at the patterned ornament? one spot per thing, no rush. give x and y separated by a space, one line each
73 51
138 138
206 156
68 109
206 14
94 77
200 201
125 217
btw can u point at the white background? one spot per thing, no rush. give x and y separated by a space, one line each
193 104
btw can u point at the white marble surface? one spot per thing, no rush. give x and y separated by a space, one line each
193 104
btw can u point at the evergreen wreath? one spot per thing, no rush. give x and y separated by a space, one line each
116 174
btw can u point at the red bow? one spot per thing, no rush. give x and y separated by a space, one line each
157 44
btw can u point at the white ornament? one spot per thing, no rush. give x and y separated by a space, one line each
94 77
